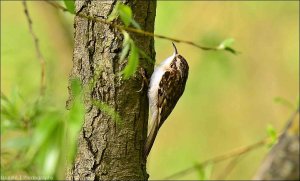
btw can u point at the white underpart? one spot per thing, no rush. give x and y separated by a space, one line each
154 85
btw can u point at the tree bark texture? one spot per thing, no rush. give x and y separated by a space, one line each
108 150
282 162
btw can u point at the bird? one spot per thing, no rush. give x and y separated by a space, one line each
167 84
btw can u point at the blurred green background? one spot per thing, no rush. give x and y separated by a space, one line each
229 99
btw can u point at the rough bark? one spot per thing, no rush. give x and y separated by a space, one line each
108 150
282 163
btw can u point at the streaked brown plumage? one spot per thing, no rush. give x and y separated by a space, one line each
166 87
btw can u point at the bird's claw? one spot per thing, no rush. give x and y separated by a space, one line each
144 79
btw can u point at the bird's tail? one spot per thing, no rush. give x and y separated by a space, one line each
152 134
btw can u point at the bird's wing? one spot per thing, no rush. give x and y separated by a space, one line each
171 88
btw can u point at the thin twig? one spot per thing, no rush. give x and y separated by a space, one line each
233 153
56 5
134 30
291 120
37 48
229 168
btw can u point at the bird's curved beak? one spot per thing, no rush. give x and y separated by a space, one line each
175 48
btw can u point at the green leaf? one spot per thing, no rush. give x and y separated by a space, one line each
133 61
204 172
43 132
76 112
76 116
9 108
76 87
75 119
127 38
51 160
225 45
125 13
272 134
114 14
124 52
284 102
70 5
126 45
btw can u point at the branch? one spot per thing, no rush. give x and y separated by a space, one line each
233 153
142 32
229 168
37 48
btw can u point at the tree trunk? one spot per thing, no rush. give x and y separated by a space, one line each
108 150
282 162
